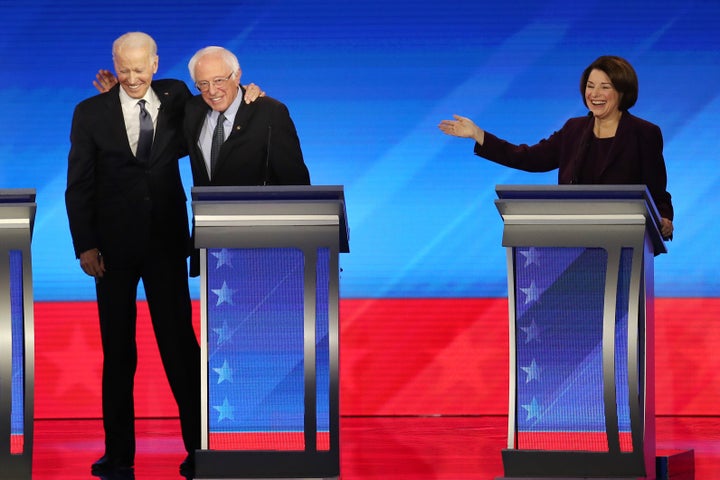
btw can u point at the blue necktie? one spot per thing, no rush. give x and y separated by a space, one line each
145 139
217 141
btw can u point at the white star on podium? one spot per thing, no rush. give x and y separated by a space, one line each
533 409
225 410
224 294
533 371
532 331
224 373
223 258
532 293
224 333
531 256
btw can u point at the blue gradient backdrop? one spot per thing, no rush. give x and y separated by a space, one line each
367 83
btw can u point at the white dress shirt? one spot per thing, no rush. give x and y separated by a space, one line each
131 114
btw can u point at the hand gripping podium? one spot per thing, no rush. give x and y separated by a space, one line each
17 217
580 295
269 290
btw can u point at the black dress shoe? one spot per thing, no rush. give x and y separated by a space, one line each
187 467
109 464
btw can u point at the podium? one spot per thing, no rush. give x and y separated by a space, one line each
17 216
269 274
580 296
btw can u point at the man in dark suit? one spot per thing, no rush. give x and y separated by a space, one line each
128 220
256 143
259 142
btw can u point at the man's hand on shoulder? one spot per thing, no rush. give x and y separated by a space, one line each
104 80
252 92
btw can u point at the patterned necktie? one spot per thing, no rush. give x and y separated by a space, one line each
145 139
217 141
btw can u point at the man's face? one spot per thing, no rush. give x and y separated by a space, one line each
219 82
135 67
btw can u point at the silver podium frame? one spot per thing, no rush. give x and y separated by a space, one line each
610 218
17 217
302 217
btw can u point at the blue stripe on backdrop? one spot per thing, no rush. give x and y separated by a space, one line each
367 83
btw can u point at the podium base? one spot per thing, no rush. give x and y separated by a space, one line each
675 465
669 465
266 465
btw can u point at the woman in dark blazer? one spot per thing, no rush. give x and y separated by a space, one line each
609 146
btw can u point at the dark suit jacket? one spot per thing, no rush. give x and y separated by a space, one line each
263 144
115 203
635 156
263 148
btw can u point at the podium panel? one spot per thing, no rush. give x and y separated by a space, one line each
17 215
580 295
269 330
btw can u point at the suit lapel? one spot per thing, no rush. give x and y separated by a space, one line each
117 122
583 148
241 119
196 118
162 132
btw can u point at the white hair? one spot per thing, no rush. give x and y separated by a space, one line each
229 58
134 40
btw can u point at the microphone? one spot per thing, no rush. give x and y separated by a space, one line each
267 157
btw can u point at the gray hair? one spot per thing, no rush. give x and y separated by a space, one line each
134 40
229 58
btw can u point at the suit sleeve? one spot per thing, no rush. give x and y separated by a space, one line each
654 171
541 157
286 163
80 191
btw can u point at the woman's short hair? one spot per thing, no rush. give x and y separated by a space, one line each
621 74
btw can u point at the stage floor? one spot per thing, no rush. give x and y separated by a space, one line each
372 448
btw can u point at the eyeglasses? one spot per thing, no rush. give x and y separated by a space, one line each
219 82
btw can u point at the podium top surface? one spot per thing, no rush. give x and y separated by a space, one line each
279 197
588 199
17 208
17 195
578 192
270 192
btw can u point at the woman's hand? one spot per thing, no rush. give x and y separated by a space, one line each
462 127
666 228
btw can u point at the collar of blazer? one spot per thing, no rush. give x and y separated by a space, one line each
619 140
201 110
